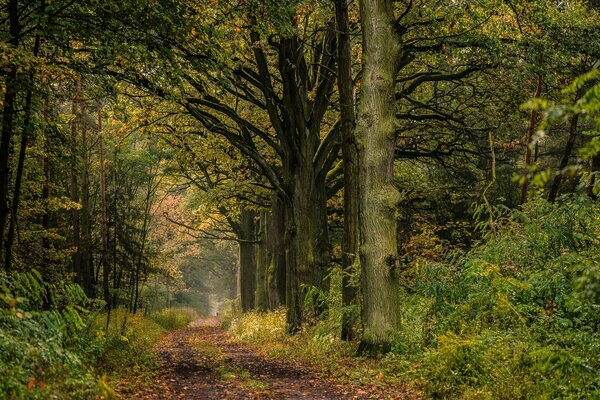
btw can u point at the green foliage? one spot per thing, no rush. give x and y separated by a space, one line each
45 354
53 343
515 317
523 304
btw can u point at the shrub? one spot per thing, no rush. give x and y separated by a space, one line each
45 354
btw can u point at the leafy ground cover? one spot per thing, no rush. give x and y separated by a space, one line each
54 342
515 317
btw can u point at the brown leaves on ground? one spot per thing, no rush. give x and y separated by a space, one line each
203 362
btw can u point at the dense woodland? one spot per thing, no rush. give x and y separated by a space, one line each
413 183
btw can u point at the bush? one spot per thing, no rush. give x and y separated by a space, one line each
517 316
53 341
45 354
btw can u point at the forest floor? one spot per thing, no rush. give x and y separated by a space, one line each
202 362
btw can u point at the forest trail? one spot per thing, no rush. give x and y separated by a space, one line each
202 362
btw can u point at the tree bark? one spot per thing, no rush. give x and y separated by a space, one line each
277 266
27 133
263 255
8 117
533 121
595 169
567 153
103 211
350 159
46 188
247 260
379 198
74 185
85 212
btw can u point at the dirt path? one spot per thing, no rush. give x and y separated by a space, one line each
202 362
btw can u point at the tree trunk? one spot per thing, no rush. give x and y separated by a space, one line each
74 189
247 260
46 188
308 245
379 198
103 210
532 126
25 136
147 208
567 154
277 266
595 168
8 117
263 254
85 212
292 283
350 158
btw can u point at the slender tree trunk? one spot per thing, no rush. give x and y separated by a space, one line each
8 117
46 188
138 268
74 189
350 158
595 169
379 198
533 122
103 211
85 212
116 272
247 260
25 137
567 153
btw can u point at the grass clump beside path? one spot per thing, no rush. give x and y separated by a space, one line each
127 357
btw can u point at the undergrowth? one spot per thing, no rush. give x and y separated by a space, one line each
53 341
516 317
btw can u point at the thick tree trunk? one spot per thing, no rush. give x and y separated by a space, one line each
379 198
247 260
350 158
292 283
307 244
263 255
310 214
